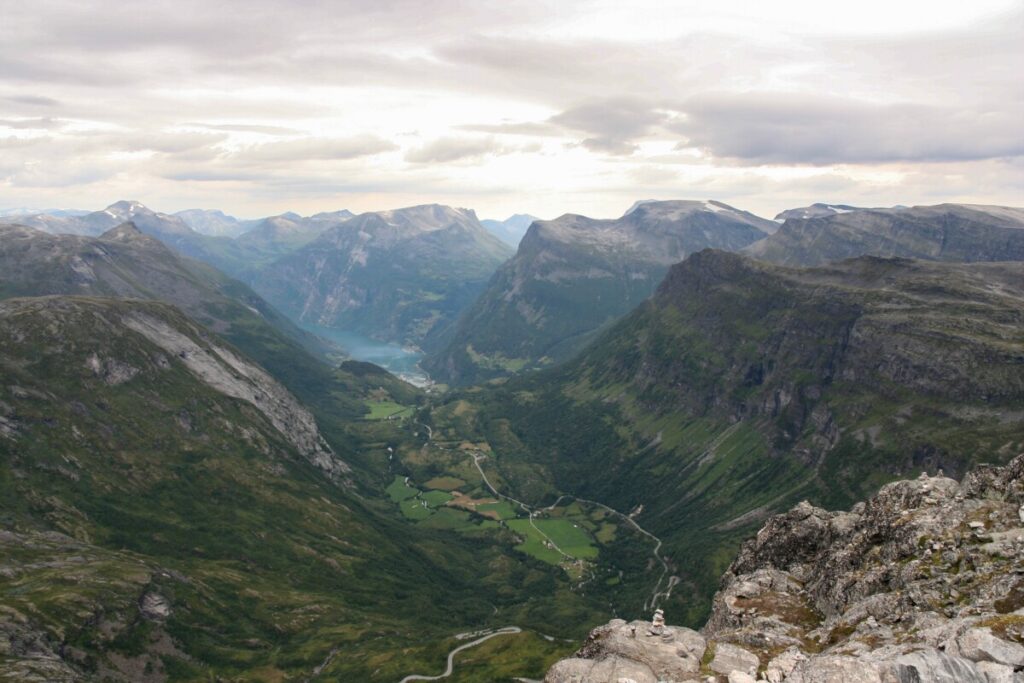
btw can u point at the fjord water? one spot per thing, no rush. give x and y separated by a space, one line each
399 360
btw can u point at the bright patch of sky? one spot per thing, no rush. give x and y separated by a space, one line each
521 106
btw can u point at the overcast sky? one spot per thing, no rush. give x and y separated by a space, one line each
263 106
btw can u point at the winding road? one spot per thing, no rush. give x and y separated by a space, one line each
657 593
529 510
505 631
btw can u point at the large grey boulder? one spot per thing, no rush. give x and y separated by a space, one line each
980 644
833 668
1000 673
937 667
782 666
612 669
673 655
729 658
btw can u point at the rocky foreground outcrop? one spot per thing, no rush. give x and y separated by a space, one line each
923 582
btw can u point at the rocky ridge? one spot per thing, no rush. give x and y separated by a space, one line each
944 232
922 582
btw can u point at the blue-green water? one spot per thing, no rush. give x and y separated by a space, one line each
396 359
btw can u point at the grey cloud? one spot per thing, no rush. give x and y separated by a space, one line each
212 176
452 149
32 124
147 67
613 125
168 143
12 142
528 128
773 129
33 100
316 149
245 128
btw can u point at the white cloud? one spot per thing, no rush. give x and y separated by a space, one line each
448 149
519 105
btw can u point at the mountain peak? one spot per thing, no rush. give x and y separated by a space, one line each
679 207
126 208
675 209
129 233
637 204
428 216
816 210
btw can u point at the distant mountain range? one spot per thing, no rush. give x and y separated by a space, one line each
511 230
214 222
573 275
401 275
124 262
423 275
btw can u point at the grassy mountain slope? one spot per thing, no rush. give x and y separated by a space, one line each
155 526
945 232
741 388
574 275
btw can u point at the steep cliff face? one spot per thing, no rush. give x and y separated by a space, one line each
946 232
922 582
728 335
574 275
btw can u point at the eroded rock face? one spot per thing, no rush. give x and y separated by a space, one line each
922 583
229 374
